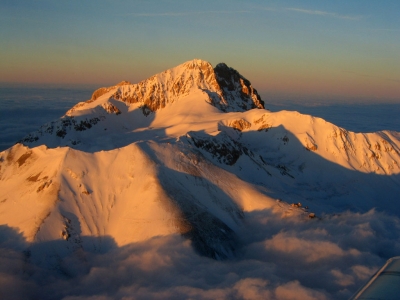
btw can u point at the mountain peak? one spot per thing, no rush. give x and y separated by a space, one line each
225 87
195 84
197 64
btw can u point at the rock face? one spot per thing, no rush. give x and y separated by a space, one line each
226 88
237 89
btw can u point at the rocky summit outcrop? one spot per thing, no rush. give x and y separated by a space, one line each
237 89
226 88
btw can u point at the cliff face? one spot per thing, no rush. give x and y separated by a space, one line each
237 89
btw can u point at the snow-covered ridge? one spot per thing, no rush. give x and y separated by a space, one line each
176 103
225 87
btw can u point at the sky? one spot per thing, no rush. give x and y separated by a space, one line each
309 48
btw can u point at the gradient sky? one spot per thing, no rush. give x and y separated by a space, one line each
300 48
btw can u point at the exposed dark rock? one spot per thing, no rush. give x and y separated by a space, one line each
240 124
61 128
111 108
23 158
211 237
237 88
227 151
61 133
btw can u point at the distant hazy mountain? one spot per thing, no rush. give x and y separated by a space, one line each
192 151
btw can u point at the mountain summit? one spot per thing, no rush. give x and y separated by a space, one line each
225 87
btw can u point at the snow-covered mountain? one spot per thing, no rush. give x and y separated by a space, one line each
123 108
189 151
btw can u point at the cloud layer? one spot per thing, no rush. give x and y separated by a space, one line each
286 258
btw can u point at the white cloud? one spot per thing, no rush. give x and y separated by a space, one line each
324 13
278 259
306 249
342 279
295 291
252 288
363 272
188 13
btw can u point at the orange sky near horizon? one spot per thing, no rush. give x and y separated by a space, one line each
279 78
328 50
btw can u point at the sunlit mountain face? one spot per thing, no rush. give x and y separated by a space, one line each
185 185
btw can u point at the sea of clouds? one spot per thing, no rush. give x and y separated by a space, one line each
277 258
25 109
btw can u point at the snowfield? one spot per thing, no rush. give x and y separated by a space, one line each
185 186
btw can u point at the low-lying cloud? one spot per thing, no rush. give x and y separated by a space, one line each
288 258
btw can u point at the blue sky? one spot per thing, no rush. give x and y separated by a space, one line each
298 48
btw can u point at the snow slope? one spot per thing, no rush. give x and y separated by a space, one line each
191 152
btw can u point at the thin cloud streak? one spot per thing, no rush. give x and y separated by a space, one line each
323 13
188 13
